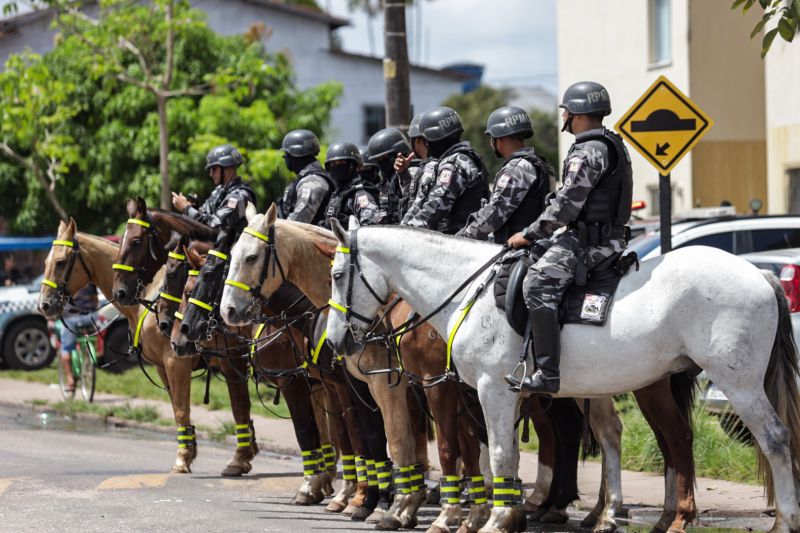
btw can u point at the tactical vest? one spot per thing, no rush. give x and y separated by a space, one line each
389 202
533 204
289 198
338 201
609 202
471 200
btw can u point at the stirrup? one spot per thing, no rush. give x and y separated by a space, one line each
538 383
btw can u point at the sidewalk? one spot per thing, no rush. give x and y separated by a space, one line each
276 435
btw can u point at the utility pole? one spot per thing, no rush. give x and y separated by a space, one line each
395 65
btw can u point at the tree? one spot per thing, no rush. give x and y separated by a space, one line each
251 101
475 107
787 14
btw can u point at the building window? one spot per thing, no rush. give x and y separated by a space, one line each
374 120
660 28
794 191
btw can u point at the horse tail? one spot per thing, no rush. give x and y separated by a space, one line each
780 384
684 391
590 446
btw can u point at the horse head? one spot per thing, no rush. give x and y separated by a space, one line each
176 272
65 272
194 263
358 292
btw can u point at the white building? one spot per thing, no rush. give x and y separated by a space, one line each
306 36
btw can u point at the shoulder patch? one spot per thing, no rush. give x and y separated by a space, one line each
363 200
232 202
502 181
305 193
574 164
444 177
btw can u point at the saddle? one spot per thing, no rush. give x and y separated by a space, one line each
587 303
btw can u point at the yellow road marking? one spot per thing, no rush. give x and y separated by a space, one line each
137 481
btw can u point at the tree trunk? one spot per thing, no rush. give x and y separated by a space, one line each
163 152
51 196
395 66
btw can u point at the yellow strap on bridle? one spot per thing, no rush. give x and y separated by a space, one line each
218 254
140 222
198 303
63 243
256 234
338 307
178 315
117 266
237 284
179 257
169 297
318 348
259 329
343 249
194 272
50 283
139 327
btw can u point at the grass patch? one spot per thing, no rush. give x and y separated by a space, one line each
716 454
144 413
135 385
221 432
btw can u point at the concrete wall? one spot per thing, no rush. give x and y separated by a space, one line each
782 67
729 163
607 42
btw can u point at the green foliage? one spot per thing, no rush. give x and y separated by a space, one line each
474 109
787 14
90 121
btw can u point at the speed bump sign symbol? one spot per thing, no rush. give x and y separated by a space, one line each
664 125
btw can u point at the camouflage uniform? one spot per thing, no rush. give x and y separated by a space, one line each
389 196
225 208
458 190
357 199
306 198
517 199
587 162
418 189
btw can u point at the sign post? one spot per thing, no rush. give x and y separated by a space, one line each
664 125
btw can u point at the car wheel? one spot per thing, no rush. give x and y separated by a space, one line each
27 345
115 349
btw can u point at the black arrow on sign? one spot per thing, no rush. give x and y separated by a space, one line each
661 149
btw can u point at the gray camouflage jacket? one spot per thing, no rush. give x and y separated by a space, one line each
419 189
225 208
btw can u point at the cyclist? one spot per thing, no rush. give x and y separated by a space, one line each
86 303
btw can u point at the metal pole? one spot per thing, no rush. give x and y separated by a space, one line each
395 65
665 212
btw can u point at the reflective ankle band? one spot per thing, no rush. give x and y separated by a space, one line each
237 284
186 436
384 471
179 257
140 222
117 266
416 478
169 297
517 491
200 304
218 254
329 454
450 489
256 234
504 493
361 468
243 435
476 489
372 473
402 483
349 467
310 462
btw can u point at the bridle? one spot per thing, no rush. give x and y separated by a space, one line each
167 298
61 288
153 247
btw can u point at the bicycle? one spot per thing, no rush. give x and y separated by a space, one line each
83 360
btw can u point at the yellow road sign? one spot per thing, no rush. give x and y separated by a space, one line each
663 125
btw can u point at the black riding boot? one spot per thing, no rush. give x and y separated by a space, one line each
547 351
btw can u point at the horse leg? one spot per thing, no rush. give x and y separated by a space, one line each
674 436
607 429
471 434
178 374
322 409
338 430
236 379
500 407
546 459
565 419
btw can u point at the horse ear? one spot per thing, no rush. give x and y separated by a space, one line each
354 223
72 227
130 206
62 227
272 215
174 239
192 256
250 211
141 205
327 249
339 232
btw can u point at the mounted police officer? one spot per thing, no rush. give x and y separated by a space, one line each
225 208
409 167
351 196
593 205
369 172
306 198
460 180
520 186
384 147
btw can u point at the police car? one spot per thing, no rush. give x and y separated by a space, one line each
24 339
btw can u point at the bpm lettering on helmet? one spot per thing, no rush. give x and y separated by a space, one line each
597 96
447 121
519 118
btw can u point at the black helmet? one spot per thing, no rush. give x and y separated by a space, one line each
509 120
388 141
344 152
439 123
586 98
300 143
224 156
364 151
413 128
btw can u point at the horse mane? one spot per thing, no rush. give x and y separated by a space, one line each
184 224
96 239
317 232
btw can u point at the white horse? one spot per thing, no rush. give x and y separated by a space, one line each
694 307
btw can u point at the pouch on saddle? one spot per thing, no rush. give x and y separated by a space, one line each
582 304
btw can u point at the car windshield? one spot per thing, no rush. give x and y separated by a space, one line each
644 244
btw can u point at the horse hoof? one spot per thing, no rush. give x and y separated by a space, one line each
589 520
234 471
530 508
433 497
554 516
537 514
360 514
436 529
605 526
349 510
410 523
388 522
303 498
335 507
376 516
180 469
